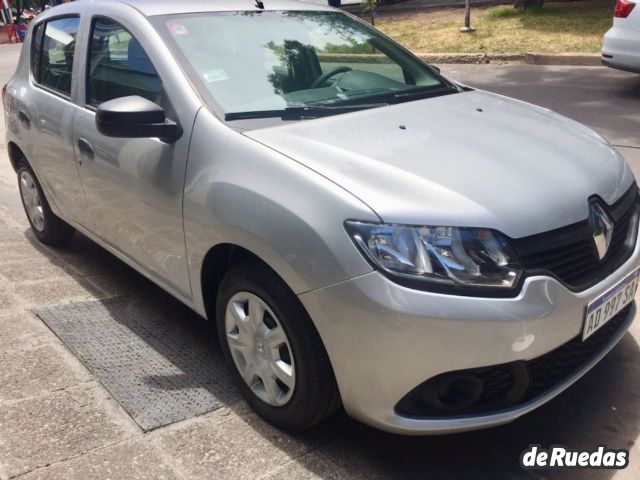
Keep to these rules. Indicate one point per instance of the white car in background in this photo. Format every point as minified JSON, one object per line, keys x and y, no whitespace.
{"x":621,"y":48}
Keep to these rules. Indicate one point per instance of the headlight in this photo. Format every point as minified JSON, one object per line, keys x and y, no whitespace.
{"x":473,"y":257}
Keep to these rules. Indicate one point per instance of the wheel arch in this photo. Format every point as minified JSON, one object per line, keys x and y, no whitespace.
{"x":216,"y":263}
{"x":16,"y":155}
{"x":321,"y":397}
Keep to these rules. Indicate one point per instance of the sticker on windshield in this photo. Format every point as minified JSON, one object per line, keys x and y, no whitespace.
{"x":178,"y":28}
{"x":216,"y":75}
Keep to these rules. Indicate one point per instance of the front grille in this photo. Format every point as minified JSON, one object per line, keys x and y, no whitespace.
{"x":570,"y":254}
{"x":512,"y":383}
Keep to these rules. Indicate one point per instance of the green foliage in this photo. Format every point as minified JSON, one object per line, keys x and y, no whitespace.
{"x":353,"y":48}
{"x":510,"y":12}
{"x":505,"y":12}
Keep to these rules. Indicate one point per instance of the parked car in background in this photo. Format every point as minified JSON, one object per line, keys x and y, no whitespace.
{"x":621,"y":48}
{"x":364,"y":231}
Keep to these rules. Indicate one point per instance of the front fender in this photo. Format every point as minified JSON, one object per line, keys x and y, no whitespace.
{"x":240,"y":192}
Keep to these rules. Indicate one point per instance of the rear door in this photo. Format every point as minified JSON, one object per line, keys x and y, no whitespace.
{"x":134,"y":187}
{"x":46,"y":114}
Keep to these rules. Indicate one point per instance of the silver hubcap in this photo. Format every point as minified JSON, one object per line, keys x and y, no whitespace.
{"x":31,"y":200}
{"x":260,"y":348}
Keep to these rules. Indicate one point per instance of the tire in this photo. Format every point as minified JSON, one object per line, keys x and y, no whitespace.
{"x":46,"y":226}
{"x":314,"y":395}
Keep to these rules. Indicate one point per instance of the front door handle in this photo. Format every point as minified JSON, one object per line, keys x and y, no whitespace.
{"x":86,"y":150}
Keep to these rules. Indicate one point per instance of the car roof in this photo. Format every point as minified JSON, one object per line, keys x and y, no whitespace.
{"x":169,"y":7}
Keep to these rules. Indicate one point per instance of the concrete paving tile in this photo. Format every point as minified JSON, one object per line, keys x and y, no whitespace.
{"x":84,"y":257}
{"x":83,"y":265}
{"x":332,"y":463}
{"x":6,"y":222}
{"x":57,"y":291}
{"x":132,"y":460}
{"x":10,"y":234}
{"x":11,"y":208}
{"x":7,"y":301}
{"x":22,"y":329}
{"x":21,"y":250}
{"x":31,"y":372}
{"x":40,"y":431}
{"x":34,"y":270}
{"x":115,"y":283}
{"x":238,"y":447}
{"x":3,"y":222}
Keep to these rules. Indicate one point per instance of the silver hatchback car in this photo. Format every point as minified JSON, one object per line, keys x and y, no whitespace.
{"x":364,"y":231}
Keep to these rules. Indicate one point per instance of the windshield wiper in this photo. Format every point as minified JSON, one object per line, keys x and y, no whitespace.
{"x":301,"y":112}
{"x":428,"y":92}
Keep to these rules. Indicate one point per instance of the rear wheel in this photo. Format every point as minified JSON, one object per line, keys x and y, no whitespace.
{"x":47,"y":227}
{"x":274,"y":350}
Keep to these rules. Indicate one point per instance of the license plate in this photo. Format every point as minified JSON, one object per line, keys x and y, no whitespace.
{"x":605,"y":307}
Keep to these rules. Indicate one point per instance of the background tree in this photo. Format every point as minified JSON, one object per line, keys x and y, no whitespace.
{"x":370,"y":6}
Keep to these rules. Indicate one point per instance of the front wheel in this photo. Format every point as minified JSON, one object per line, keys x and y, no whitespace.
{"x":274,"y":350}
{"x":47,"y":227}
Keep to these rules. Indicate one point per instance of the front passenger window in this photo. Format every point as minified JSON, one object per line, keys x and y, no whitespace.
{"x":118,"y":66}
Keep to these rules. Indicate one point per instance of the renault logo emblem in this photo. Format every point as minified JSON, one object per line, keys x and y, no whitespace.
{"x":602,"y":229}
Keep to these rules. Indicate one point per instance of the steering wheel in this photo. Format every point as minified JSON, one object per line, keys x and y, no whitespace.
{"x":326,"y":76}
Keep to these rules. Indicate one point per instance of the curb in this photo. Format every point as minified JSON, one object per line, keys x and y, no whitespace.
{"x":574,"y":59}
{"x":569,"y":59}
{"x":471,"y":58}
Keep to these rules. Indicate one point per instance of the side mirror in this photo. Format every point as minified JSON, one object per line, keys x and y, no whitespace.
{"x":135,"y":117}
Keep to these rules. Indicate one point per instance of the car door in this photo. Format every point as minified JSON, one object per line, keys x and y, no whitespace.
{"x":134,"y":187}
{"x":46,"y":113}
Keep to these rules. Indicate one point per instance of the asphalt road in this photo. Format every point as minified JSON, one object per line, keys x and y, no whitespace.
{"x":602,"y":408}
{"x":606,"y":100}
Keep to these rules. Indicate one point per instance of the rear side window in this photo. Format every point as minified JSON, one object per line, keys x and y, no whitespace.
{"x":118,"y":66}
{"x":54,"y":70}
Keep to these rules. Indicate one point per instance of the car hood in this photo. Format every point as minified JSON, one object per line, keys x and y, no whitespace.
{"x":469,"y":159}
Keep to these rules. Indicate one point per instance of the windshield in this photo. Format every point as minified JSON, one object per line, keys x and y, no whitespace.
{"x":260,"y":64}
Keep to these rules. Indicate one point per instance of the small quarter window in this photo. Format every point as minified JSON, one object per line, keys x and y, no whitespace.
{"x":36,"y":50}
{"x":58,"y":50}
{"x":119,"y":67}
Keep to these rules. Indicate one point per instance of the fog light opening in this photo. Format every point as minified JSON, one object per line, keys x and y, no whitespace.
{"x":454,"y":393}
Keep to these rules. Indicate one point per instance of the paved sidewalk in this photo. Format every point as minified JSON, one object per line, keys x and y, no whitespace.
{"x":58,"y":422}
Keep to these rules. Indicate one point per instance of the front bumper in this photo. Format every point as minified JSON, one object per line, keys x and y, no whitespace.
{"x":384,"y":340}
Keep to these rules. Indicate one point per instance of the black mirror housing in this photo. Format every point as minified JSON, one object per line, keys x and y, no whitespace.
{"x":135,"y":117}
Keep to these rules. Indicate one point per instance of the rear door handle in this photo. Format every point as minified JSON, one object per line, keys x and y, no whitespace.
{"x":86,"y":150}
{"x":24,"y":119}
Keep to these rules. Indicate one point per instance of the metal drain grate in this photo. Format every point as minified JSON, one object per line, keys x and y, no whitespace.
{"x":158,"y":360}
